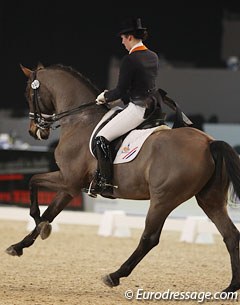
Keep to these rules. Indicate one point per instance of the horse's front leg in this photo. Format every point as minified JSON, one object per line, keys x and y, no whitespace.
{"x":34,"y":207}
{"x":51,"y":181}
{"x":59,"y":203}
{"x":44,"y":227}
{"x":17,"y":249}
{"x":149,"y":239}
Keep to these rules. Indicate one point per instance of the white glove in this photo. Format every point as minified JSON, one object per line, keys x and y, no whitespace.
{"x":100,"y":98}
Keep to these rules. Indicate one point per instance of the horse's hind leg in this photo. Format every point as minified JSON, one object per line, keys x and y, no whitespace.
{"x":214,"y":205}
{"x":155,"y":219}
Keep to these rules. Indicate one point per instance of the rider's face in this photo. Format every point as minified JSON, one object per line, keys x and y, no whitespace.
{"x":126,"y":41}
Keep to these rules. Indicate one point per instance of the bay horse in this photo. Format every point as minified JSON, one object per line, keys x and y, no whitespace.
{"x":173,"y":166}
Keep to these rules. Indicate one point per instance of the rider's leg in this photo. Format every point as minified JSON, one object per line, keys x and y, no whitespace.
{"x":105,"y":163}
{"x":102,"y":181}
{"x":128,"y":119}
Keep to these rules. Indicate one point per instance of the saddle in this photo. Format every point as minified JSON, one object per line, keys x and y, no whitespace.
{"x":155,"y":120}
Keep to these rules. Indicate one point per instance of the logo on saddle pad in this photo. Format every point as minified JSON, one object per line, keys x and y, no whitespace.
{"x":132,"y":143}
{"x":125,"y":152}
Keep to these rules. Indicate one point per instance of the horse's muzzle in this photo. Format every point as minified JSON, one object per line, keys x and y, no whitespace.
{"x":38,"y":133}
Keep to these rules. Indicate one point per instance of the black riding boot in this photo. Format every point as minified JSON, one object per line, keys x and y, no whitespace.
{"x":102,"y":182}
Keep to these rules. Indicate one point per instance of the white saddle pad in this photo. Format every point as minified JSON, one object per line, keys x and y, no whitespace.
{"x":132,"y":143}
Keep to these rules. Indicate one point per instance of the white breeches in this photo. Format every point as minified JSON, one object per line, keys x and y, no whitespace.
{"x":129,"y":118}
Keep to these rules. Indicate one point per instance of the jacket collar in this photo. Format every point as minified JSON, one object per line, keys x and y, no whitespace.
{"x":141,"y":48}
{"x":138,"y":47}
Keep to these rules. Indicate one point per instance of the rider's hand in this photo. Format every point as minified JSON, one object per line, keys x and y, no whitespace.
{"x":100,"y":98}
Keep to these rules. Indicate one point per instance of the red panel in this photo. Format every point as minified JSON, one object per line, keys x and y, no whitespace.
{"x":9,"y":177}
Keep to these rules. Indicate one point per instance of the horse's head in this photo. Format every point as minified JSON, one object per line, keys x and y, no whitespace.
{"x":55,"y":92}
{"x":40,"y":101}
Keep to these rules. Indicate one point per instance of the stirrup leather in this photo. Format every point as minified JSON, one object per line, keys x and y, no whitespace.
{"x":90,"y":190}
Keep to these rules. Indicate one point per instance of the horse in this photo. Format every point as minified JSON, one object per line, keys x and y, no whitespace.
{"x":172,"y":166}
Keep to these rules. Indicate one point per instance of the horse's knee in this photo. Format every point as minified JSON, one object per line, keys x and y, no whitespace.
{"x":150,"y":241}
{"x":33,"y":213}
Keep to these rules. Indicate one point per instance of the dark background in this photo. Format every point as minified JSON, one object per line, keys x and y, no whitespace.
{"x":83,"y":35}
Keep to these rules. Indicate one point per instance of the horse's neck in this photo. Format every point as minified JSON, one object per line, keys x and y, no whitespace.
{"x":69,"y":99}
{"x":84,"y":122}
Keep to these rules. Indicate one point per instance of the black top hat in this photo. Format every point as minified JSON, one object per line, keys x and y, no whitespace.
{"x":131,"y":25}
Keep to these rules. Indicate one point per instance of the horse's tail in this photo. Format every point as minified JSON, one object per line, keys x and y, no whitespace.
{"x":223,"y":151}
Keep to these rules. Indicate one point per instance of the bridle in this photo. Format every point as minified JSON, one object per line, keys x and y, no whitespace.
{"x":46,"y":121}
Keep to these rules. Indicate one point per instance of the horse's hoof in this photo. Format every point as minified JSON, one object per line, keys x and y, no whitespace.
{"x":45,"y":229}
{"x":107,"y":280}
{"x":11,"y":251}
{"x":232,"y":288}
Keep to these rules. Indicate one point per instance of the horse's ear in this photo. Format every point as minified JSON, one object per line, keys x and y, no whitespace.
{"x":40,"y":66}
{"x":26,"y":71}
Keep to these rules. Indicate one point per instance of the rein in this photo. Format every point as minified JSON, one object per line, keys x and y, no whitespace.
{"x":44,"y":121}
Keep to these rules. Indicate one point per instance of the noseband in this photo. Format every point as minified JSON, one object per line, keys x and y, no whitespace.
{"x":45,"y":121}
